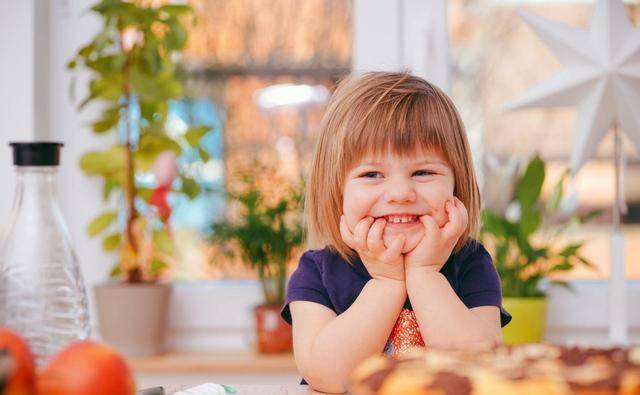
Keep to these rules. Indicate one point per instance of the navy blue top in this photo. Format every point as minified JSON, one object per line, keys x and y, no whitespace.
{"x":324,"y":277}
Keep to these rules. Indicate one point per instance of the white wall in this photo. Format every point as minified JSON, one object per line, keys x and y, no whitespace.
{"x":17,"y":103}
{"x":80,"y":196}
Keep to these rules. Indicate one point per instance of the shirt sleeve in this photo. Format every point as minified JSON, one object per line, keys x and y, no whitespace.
{"x":305,"y":284}
{"x":480,"y":283}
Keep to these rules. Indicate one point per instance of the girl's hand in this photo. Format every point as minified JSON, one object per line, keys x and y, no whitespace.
{"x":437,"y":243}
{"x":366,"y":239}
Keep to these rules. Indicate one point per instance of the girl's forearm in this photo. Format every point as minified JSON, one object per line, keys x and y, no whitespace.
{"x":445,"y":322}
{"x":358,"y":333}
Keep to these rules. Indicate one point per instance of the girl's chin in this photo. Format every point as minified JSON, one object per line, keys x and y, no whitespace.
{"x":412,"y":238}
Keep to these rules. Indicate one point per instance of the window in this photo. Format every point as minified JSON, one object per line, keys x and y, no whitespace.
{"x":264,"y":70}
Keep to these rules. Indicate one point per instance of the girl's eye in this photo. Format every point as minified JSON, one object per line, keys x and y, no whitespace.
{"x":423,"y":173}
{"x":370,"y":174}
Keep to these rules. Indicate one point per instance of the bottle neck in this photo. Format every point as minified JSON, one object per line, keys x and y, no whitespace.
{"x":33,"y":183}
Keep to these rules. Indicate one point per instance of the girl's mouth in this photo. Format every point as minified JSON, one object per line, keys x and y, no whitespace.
{"x":401,"y":221}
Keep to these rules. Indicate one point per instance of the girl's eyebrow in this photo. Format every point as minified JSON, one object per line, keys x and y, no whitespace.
{"x":431,"y":162}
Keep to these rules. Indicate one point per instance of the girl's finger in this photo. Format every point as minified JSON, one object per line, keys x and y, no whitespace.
{"x":454,"y":218}
{"x":395,"y":249}
{"x":431,"y":227}
{"x":374,"y":238}
{"x":346,"y":234}
{"x":361,"y":231}
{"x":458,"y":220}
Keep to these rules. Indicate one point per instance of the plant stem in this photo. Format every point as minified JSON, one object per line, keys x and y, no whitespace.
{"x":134,"y":274}
{"x":264,"y":285}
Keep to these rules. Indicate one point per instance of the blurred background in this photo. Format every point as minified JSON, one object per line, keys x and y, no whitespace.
{"x":258,"y":74}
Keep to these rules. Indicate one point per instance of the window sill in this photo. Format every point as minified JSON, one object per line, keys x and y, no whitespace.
{"x":214,"y":363}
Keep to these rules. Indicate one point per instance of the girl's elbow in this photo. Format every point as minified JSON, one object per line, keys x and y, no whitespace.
{"x":326,"y":383}
{"x":329,"y":388}
{"x":325,"y":379}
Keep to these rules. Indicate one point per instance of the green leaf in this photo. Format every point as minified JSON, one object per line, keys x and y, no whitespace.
{"x":110,"y":161}
{"x":195,"y":134}
{"x":176,"y":37}
{"x":107,"y":87}
{"x":570,"y":250}
{"x":151,"y":145}
{"x":176,"y":9}
{"x":530,"y":185}
{"x":204,"y":155}
{"x":163,"y":242}
{"x":563,"y":284}
{"x":101,"y":222}
{"x":556,"y":195}
{"x":587,"y":263}
{"x":86,"y":50}
{"x":190,"y":187}
{"x":111,"y":242}
{"x":116,"y":271}
{"x":590,"y":215}
{"x":529,"y":222}
{"x":157,"y":266}
{"x":565,"y":266}
{"x":110,"y":183}
{"x":496,"y":224}
{"x":107,"y":65}
{"x":162,"y":86}
{"x":109,"y":119}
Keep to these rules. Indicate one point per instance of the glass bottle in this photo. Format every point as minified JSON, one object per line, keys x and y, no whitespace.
{"x":42,"y":294}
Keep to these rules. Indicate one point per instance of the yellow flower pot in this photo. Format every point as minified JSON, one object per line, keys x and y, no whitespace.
{"x":529,"y":320}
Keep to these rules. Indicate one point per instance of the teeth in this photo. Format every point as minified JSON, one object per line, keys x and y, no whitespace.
{"x":398,"y":219}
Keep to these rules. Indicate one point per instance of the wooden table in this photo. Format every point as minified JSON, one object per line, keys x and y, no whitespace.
{"x":264,"y":390}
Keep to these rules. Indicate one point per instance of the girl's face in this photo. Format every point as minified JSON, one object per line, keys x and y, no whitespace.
{"x":399,"y":189}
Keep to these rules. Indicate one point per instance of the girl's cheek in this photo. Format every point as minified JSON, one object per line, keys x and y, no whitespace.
{"x":356,"y":206}
{"x":350,"y":214}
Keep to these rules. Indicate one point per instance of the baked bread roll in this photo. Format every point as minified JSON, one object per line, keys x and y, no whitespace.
{"x":527,"y":369}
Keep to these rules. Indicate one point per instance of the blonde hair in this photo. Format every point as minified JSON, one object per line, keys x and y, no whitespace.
{"x":370,"y":115}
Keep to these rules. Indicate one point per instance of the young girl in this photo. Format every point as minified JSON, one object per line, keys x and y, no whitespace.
{"x":393,"y":205}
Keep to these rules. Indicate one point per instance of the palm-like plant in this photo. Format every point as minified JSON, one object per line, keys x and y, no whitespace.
{"x":266,"y":232}
{"x":522,"y":262}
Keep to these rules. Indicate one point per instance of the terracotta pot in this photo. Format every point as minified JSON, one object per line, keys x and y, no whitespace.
{"x":133,"y":317}
{"x":273,"y":333}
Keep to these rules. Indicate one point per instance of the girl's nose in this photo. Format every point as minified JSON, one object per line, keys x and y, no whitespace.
{"x":400,"y":191}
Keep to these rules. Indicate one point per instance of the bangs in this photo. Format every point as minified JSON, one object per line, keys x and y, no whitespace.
{"x":374,"y":115}
{"x":401,"y":126}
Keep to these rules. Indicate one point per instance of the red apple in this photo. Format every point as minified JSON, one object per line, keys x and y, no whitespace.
{"x":86,"y":367}
{"x":22,"y":377}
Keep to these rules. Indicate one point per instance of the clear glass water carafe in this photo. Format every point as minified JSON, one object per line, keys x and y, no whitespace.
{"x":42,"y":294}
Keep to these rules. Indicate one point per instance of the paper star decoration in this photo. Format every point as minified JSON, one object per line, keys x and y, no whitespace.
{"x":601,"y":75}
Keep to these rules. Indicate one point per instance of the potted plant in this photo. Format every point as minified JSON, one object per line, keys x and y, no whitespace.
{"x":133,"y":77}
{"x":266,"y":230}
{"x":525,"y":245}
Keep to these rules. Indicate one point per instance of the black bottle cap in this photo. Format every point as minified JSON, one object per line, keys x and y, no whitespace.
{"x":38,"y":153}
